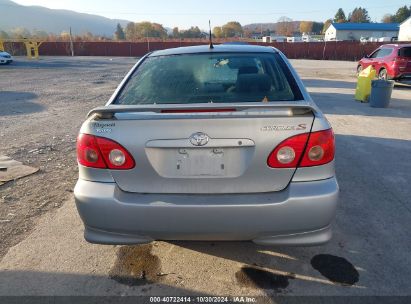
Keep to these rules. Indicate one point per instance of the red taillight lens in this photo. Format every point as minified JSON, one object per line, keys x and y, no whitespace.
{"x":115,"y":155}
{"x":304,"y":150}
{"x":320,"y":149}
{"x":88,"y":152}
{"x":400,"y":61}
{"x":102,"y":153}
{"x":288,"y":153}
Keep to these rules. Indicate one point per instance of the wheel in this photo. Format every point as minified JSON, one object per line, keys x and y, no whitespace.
{"x":359,"y":69}
{"x":383,"y":75}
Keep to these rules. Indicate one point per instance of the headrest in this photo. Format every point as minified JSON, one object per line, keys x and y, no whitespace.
{"x":253,"y":83}
{"x":248,"y":70}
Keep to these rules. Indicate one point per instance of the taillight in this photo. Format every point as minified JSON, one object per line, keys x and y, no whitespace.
{"x":304,"y":150}
{"x":400,"y":61}
{"x":288,"y":153}
{"x":88,"y":152}
{"x":102,"y":153}
{"x":320,"y":149}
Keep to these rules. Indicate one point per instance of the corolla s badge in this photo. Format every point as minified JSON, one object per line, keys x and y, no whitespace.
{"x":199,"y":139}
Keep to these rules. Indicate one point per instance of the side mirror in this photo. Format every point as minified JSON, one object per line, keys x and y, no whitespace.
{"x":366,"y":56}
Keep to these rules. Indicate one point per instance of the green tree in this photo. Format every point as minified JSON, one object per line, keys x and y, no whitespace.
{"x":387,"y":18}
{"x":4,"y":35}
{"x":20,"y":33}
{"x":218,"y":32}
{"x":119,"y":33}
{"x":285,"y":28}
{"x":39,"y":34}
{"x":232,"y":29}
{"x":88,"y":36}
{"x":130,"y":31}
{"x":318,"y":27}
{"x":327,"y":24}
{"x":340,"y":16}
{"x":147,"y":29}
{"x":192,"y":32}
{"x":306,"y":27}
{"x":159,"y":30}
{"x":359,"y":15}
{"x":176,"y":32}
{"x":65,"y":36}
{"x":402,"y":14}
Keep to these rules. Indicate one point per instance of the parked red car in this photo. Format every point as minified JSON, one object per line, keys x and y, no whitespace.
{"x":391,"y":61}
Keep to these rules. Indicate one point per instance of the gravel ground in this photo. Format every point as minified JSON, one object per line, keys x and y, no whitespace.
{"x":42,"y":105}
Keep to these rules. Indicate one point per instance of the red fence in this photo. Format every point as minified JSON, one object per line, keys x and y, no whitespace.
{"x":341,"y":50}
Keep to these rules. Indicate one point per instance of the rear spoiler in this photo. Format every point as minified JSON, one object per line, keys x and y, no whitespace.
{"x":291,"y":109}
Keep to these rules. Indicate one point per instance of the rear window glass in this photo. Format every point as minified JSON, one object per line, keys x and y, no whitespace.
{"x":206,"y":78}
{"x":405,"y":52}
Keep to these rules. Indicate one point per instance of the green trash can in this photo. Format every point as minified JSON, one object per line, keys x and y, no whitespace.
{"x":381,"y":91}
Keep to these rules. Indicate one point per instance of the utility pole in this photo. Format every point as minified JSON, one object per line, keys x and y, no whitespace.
{"x":71,"y":44}
{"x":148,"y":42}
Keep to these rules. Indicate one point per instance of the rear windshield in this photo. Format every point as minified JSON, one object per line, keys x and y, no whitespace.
{"x":206,"y":78}
{"x":405,"y":52}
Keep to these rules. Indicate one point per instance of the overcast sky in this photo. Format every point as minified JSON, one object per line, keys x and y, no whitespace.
{"x":184,"y":13}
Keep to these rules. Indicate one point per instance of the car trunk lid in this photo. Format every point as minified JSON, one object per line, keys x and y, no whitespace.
{"x":201,"y":149}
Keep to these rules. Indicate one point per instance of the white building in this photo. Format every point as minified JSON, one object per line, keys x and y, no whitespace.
{"x":405,"y":30}
{"x":307,"y":38}
{"x":294,"y":39}
{"x":356,"y":31}
{"x":269,"y":39}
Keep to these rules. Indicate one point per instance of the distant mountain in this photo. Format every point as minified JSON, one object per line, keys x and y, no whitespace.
{"x":13,"y":15}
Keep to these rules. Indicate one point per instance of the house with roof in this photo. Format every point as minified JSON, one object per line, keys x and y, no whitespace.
{"x":359,"y":31}
{"x":405,"y":30}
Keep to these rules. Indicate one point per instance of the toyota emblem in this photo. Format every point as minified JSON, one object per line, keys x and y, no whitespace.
{"x":199,"y":139}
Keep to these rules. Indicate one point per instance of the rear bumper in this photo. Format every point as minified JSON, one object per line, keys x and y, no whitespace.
{"x":299,"y":215}
{"x":397,"y":74}
{"x":403,"y":77}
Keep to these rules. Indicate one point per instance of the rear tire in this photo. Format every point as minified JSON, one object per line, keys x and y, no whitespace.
{"x":383,"y":75}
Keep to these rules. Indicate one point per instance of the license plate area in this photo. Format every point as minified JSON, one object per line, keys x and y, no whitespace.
{"x":200,"y":162}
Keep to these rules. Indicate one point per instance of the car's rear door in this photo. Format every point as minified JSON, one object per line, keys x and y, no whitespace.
{"x":404,"y":60}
